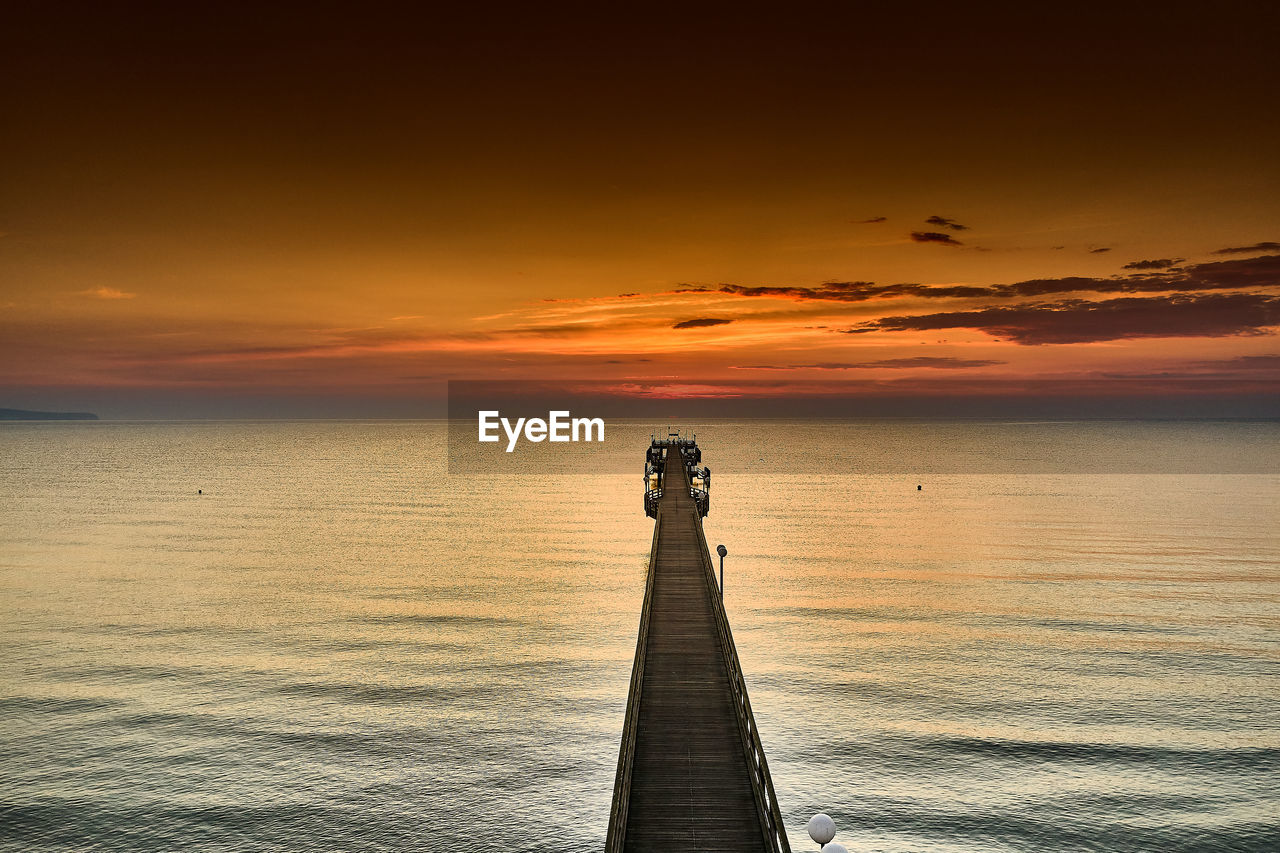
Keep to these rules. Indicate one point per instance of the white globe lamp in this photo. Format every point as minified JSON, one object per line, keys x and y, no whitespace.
{"x":822,"y":829}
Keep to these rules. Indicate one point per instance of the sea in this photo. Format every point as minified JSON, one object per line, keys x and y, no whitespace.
{"x":339,"y":636}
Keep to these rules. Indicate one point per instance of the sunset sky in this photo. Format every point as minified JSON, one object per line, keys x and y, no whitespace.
{"x":330,"y":210}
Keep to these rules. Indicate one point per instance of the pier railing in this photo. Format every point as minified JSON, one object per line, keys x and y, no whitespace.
{"x":652,"y":497}
{"x":761,"y":783}
{"x":630,"y":728}
{"x":701,"y":499}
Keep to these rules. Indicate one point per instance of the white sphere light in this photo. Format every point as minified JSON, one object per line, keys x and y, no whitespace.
{"x":822,"y":829}
{"x":834,"y":847}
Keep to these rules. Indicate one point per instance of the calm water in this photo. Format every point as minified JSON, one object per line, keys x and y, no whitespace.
{"x":340,"y":646}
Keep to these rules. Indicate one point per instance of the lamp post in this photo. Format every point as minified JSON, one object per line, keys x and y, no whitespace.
{"x":822,"y":829}
{"x":723,"y":552}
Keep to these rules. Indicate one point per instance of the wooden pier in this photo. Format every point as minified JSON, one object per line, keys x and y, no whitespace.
{"x":692,"y":773}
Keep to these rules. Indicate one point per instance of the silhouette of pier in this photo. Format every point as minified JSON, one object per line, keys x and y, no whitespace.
{"x":692,"y":773}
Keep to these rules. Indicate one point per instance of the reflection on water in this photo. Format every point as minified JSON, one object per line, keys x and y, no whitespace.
{"x":339,"y":646}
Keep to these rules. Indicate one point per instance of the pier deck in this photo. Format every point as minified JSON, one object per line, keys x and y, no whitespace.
{"x":695,"y":778}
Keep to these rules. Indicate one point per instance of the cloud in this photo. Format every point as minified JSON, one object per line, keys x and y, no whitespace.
{"x":1243,"y":362}
{"x":872,"y":221}
{"x":1100,"y":251}
{"x":1261,"y":272}
{"x":107,"y":293}
{"x":1241,"y":368}
{"x":943,"y":222}
{"x":1158,"y":264}
{"x":831,"y":291}
{"x":1075,"y":321}
{"x":1268,"y":246}
{"x":701,"y":323}
{"x":935,"y":237}
{"x":604,"y":324}
{"x":938,"y":362}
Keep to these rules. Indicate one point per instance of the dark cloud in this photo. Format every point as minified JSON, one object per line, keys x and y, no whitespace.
{"x":943,"y":222}
{"x":1100,"y":251}
{"x":848,"y":291}
{"x":1075,"y":284}
{"x":1260,"y":272}
{"x":1157,"y":264}
{"x":1078,"y":321}
{"x":701,"y":323}
{"x":935,"y":237}
{"x":872,"y":221}
{"x":1246,"y":368}
{"x":1263,"y":271}
{"x":939,"y":362}
{"x":1268,"y":246}
{"x":1243,"y":362}
{"x":834,"y":291}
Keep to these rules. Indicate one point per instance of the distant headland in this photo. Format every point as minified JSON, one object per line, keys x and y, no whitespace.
{"x":27,"y":415}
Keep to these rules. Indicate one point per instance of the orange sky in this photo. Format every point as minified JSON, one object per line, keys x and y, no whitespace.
{"x":210,"y":212}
